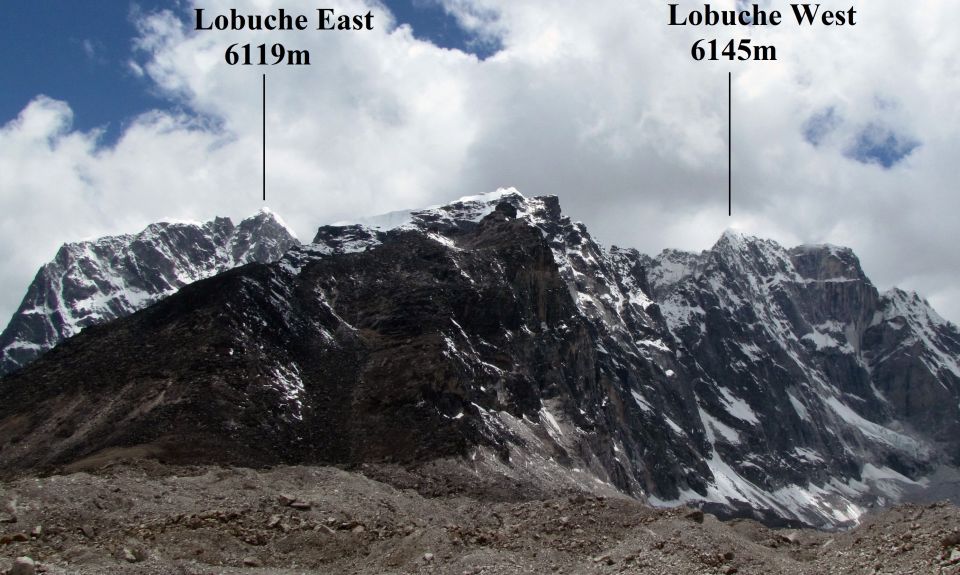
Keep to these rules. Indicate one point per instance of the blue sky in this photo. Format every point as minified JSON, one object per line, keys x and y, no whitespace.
{"x":78,"y":52}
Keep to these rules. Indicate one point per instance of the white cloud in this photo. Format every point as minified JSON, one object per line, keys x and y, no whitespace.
{"x":598,"y":103}
{"x":89,"y":49}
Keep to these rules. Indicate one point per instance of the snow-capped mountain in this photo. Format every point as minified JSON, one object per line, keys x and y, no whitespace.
{"x":750,"y":378}
{"x":93,"y":282}
{"x":788,"y":349}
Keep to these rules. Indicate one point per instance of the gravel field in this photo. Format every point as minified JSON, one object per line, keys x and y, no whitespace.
{"x":146,"y":517}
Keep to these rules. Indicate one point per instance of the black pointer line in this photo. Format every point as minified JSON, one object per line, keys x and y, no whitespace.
{"x":729,"y":143}
{"x":264,"y":137}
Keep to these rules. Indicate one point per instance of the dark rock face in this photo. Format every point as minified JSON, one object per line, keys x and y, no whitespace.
{"x":750,"y":378}
{"x":912,"y":355}
{"x":828,"y":368}
{"x":89,"y":283}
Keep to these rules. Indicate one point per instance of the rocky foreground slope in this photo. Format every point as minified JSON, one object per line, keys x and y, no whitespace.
{"x":750,"y":379}
{"x":152,"y":519}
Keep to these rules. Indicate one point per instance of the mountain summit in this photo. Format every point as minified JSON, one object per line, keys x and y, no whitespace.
{"x":750,"y":379}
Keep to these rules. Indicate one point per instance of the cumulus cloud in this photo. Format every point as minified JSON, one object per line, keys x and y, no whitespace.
{"x":848,"y":138}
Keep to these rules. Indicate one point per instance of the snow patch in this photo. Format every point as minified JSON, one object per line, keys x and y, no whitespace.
{"x":713,"y":426}
{"x":874,"y":430}
{"x":799,"y":407}
{"x":737,"y":407}
{"x":642,"y":402}
{"x":551,"y":420}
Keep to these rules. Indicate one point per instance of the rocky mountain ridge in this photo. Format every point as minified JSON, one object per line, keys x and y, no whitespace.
{"x":93,"y":282}
{"x":751,"y":379}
